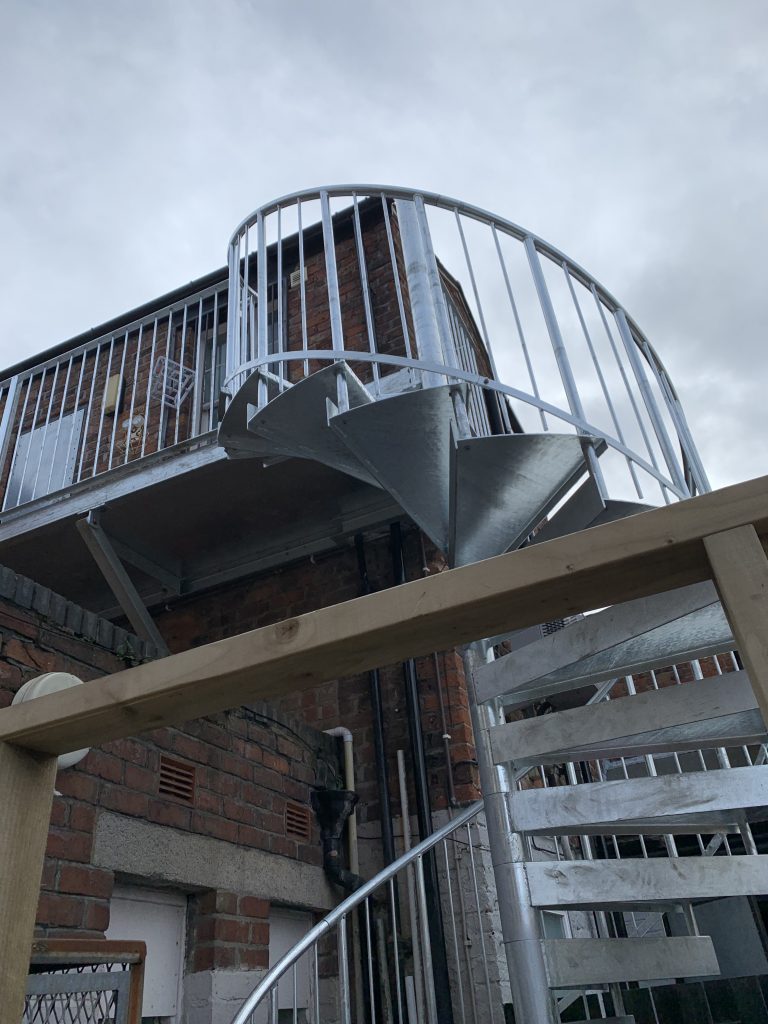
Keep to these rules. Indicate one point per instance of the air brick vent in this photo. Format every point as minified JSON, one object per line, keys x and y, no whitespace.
{"x":297,"y":821}
{"x":177,"y":780}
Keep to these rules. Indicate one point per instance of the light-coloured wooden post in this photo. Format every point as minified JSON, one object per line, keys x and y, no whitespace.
{"x":740,"y":571}
{"x":26,"y":796}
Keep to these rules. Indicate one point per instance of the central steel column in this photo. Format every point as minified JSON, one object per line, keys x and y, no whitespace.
{"x":417,"y":272}
{"x":520,"y":927}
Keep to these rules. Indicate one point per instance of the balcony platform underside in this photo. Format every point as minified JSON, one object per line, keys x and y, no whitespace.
{"x":189,"y":523}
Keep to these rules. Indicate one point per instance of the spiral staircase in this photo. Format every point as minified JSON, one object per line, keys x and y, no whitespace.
{"x":477,"y":494}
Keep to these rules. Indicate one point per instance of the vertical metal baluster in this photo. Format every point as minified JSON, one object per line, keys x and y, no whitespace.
{"x":369,"y":326}
{"x":233,"y":283}
{"x":244,"y":303}
{"x":295,"y":996}
{"x":51,"y":398}
{"x":274,"y":1004}
{"x":316,"y":974}
{"x":196,"y":426}
{"x":519,"y":326}
{"x":262,"y":308}
{"x":302,"y":293}
{"x":473,"y":1003}
{"x":599,"y":371}
{"x":454,"y":932}
{"x":116,"y":411}
{"x":163,"y":419}
{"x":659,"y":427}
{"x":16,"y":441}
{"x":180,"y":385}
{"x":281,"y":367}
{"x":344,"y":998}
{"x":480,"y":920}
{"x":396,"y":276}
{"x":396,"y":950}
{"x":624,"y":377}
{"x":8,"y":436}
{"x":103,"y":405}
{"x":481,"y":315}
{"x":89,"y":408}
{"x":212,"y":418}
{"x":76,"y":406}
{"x":58,"y":425}
{"x":369,"y":956}
{"x":331,"y":275}
{"x":134,"y":389}
{"x":150,"y":374}
{"x":31,"y":432}
{"x":561,"y":358}
{"x":681,"y":424}
{"x":426,"y":944}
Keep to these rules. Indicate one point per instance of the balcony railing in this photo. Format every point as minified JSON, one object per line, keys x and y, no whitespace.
{"x":150,"y":386}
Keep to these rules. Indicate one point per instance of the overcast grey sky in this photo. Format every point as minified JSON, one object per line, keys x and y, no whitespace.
{"x":630,"y":134}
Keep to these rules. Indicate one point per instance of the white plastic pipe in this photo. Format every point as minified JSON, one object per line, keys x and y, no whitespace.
{"x":343,"y":733}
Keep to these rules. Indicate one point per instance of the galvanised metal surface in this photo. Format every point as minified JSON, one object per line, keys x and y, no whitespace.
{"x":480,"y":300}
{"x":400,"y":955}
{"x":503,"y":486}
{"x":151,"y":385}
{"x":78,"y":997}
{"x":650,"y":633}
{"x":295,"y":421}
{"x":404,"y":442}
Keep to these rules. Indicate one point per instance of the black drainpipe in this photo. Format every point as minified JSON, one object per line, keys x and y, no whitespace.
{"x":377,"y":713}
{"x":423,"y":808}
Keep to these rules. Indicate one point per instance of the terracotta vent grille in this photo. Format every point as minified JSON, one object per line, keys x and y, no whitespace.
{"x":297,"y":821}
{"x":176,"y":780}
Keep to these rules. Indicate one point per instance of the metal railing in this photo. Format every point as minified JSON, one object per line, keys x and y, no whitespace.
{"x":374,"y":948}
{"x":723,"y":840}
{"x":150,"y":386}
{"x":85,"y":981}
{"x":415,"y":289}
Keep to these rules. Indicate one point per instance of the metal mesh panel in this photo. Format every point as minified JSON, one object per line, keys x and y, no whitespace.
{"x":94,"y":994}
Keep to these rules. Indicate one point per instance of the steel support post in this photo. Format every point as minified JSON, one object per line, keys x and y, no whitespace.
{"x":520,"y":925}
{"x":425,"y":322}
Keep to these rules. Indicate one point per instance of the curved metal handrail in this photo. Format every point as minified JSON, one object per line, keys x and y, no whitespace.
{"x":477,"y":213}
{"x":350,"y":903}
{"x":650,"y":392}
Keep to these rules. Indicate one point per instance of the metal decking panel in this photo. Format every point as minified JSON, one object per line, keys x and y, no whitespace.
{"x":702,"y":801}
{"x":405,"y":443}
{"x":719,"y":711}
{"x":614,"y":884}
{"x":665,"y":629}
{"x":588,"y":963}
{"x":503,"y":486}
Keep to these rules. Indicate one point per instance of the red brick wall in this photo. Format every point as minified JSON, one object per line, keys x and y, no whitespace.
{"x":319,"y":582}
{"x":247,"y":764}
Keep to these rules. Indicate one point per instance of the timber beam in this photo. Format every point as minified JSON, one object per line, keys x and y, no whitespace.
{"x":645,"y":554}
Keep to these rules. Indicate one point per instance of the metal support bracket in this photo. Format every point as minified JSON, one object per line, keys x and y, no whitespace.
{"x":120,"y":583}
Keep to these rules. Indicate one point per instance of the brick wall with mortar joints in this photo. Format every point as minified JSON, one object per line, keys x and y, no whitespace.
{"x":319,"y":582}
{"x":248,"y":763}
